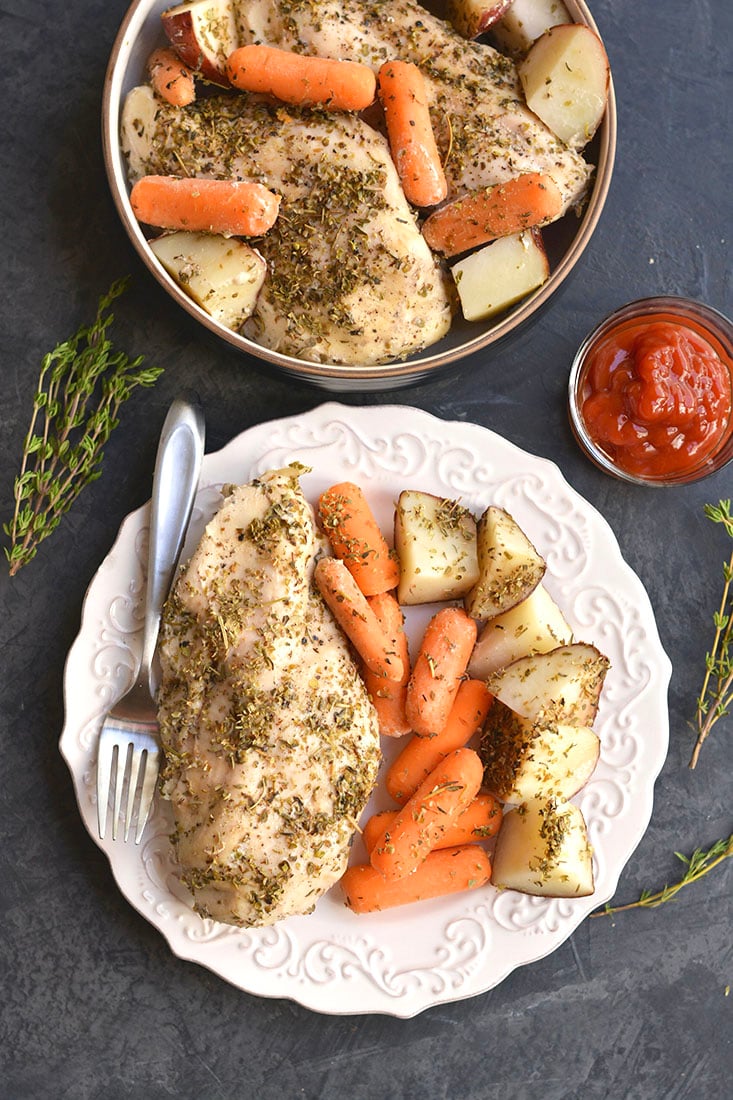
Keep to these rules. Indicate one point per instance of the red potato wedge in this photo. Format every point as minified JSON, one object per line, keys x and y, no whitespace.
{"x":526,"y":759}
{"x":501,"y":274}
{"x":203,"y":33}
{"x":524,"y":22}
{"x":435,"y":540}
{"x":563,"y":685}
{"x":509,"y":565}
{"x":137,"y":123}
{"x":565,"y":77}
{"x":222,"y":274}
{"x":472,"y":17}
{"x":543,"y":849}
{"x":536,"y":625}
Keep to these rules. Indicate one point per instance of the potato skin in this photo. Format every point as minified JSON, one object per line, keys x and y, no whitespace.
{"x":509,"y":566}
{"x":543,"y":849}
{"x":533,"y":759}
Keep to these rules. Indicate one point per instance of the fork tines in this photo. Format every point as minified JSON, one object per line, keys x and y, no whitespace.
{"x":136,"y":775}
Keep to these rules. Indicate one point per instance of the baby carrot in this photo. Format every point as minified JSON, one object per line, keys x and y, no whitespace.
{"x":355,"y":538}
{"x":229,"y":207}
{"x":420,"y":824}
{"x":481,"y":216}
{"x":421,"y":754}
{"x":170,"y":78}
{"x":448,"y":871}
{"x":388,"y":696}
{"x":356,"y":618}
{"x":302,"y":80}
{"x":440,"y":666}
{"x":479,"y":821}
{"x":410,"y":133}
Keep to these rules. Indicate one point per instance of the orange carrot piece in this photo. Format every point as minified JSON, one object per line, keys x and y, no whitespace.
{"x":479,"y":821}
{"x":410,"y":133}
{"x":229,"y":207}
{"x":389,"y":696}
{"x":170,"y":78}
{"x":302,"y":80}
{"x":420,"y":824}
{"x":356,"y":618}
{"x":422,"y":754}
{"x":440,"y":666}
{"x":481,"y":216}
{"x":447,"y":871}
{"x":355,"y":538}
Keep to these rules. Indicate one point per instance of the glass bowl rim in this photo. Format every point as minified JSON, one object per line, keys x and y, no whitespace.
{"x":717,"y":324}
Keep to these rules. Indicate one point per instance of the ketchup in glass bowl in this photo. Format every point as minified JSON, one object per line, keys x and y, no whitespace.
{"x":651,"y":392}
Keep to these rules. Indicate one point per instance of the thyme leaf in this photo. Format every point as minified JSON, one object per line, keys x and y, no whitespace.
{"x":81,"y":385}
{"x":716,"y":694}
{"x":698,"y":864}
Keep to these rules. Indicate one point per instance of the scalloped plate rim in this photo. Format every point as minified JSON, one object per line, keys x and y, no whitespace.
{"x":411,"y":421}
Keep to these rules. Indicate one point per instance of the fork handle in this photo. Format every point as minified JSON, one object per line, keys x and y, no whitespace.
{"x":175,"y":481}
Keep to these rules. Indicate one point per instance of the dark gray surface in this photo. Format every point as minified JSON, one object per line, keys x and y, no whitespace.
{"x":93,"y":1004}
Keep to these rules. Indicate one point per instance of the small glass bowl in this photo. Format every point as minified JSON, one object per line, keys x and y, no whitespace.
{"x":708,"y":323}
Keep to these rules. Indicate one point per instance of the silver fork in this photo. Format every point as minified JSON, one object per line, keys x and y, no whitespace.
{"x":128,"y":741}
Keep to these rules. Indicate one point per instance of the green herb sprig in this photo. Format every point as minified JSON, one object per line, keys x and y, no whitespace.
{"x":716,"y":694}
{"x":698,"y":864}
{"x":81,"y":386}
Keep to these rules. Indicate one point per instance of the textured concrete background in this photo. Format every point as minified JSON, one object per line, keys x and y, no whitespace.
{"x":93,"y":1004}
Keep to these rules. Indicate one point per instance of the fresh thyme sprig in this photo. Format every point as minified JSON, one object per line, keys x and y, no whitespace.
{"x":696,"y":865}
{"x":716,"y":694}
{"x":82,"y":384}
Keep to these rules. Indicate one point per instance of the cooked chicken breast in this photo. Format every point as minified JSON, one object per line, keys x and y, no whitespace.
{"x":350,"y":277}
{"x":485,"y":131}
{"x":271,"y":742}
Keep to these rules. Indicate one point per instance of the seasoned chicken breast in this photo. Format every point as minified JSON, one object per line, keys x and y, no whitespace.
{"x":271,"y":742}
{"x":350,"y":277}
{"x":485,"y":132}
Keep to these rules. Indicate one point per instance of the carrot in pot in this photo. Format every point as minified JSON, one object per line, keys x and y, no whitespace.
{"x":389,"y":696}
{"x":447,"y":871}
{"x":479,"y":821}
{"x":355,"y":537}
{"x":410,"y":133}
{"x":423,"y":753}
{"x":229,"y":207}
{"x":349,"y":607}
{"x":439,"y":668}
{"x":420,"y":824}
{"x":481,"y":216}
{"x":301,"y":80}
{"x":170,"y":78}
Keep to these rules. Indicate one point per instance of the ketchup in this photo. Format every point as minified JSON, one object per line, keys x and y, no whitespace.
{"x":656,"y":396}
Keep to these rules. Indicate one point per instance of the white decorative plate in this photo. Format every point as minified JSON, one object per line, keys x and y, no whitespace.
{"x":401,"y":961}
